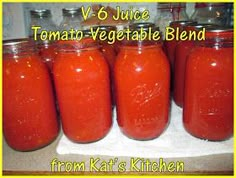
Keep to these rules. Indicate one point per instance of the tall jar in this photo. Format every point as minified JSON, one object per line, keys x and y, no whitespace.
{"x":107,"y":49}
{"x":171,"y":45}
{"x":142,"y":79}
{"x":208,"y":99}
{"x":29,"y":114}
{"x":210,"y":13}
{"x":72,"y":18}
{"x":47,"y":51}
{"x":109,"y":53}
{"x":42,"y":18}
{"x":81,"y":77}
{"x":169,"y":12}
{"x":182,"y":50}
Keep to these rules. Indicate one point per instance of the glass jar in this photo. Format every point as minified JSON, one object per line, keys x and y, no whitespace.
{"x":171,"y":45}
{"x":168,"y":12}
{"x":210,"y":13}
{"x":107,"y":49}
{"x":81,"y":77}
{"x":181,"y":52}
{"x":142,"y":88}
{"x":42,"y":18}
{"x":29,"y":114}
{"x":47,"y":51}
{"x":72,"y":18}
{"x":109,"y":53}
{"x":208,"y":95}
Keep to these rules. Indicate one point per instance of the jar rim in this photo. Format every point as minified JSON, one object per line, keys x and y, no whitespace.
{"x":40,"y":13}
{"x":168,"y":6}
{"x":18,"y":41}
{"x":182,"y":23}
{"x":72,"y":11}
{"x":105,"y":27}
{"x":199,"y":26}
{"x":77,"y":45}
{"x":203,"y":5}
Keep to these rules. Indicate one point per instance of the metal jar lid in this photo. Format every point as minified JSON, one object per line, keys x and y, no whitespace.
{"x":145,"y":26}
{"x":219,"y":29}
{"x":105,"y":28}
{"x":199,"y":26}
{"x":182,"y":23}
{"x":71,"y":11}
{"x":40,"y":13}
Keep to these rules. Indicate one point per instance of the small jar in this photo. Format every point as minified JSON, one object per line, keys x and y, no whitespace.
{"x":29,"y":114}
{"x":81,"y":77}
{"x":182,"y":50}
{"x":169,"y":12}
{"x":142,"y":88}
{"x":42,"y":18}
{"x":208,"y":95}
{"x":210,"y":13}
{"x":72,"y":18}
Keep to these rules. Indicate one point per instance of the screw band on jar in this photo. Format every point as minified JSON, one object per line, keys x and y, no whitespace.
{"x":71,"y":11}
{"x":40,"y":13}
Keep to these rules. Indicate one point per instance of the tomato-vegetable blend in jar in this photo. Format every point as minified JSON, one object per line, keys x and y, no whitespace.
{"x":47,"y":52}
{"x":29,"y":115}
{"x":142,"y":79}
{"x":208,"y":100}
{"x":182,"y":50}
{"x":171,"y":45}
{"x":82,"y":84}
{"x":109,"y":53}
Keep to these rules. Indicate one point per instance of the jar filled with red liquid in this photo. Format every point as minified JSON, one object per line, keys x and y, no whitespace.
{"x":208,"y":99}
{"x":29,"y":114}
{"x":47,"y":51}
{"x":182,"y":50}
{"x":108,"y":49}
{"x":171,"y":45}
{"x":109,"y":52}
{"x":81,"y":77}
{"x":142,"y":78}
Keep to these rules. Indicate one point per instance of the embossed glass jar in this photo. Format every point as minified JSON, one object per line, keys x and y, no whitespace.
{"x":82,"y":83}
{"x":142,"y":79}
{"x":29,"y":114}
{"x":208,"y":99}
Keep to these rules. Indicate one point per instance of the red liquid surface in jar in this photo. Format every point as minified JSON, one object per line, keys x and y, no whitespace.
{"x":142,"y":91}
{"x":208,"y":102}
{"x":182,"y":51}
{"x":83,"y":92}
{"x":48,"y":54}
{"x":29,"y":115}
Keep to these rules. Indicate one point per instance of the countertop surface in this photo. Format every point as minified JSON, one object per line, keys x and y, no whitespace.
{"x":40,"y":162}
